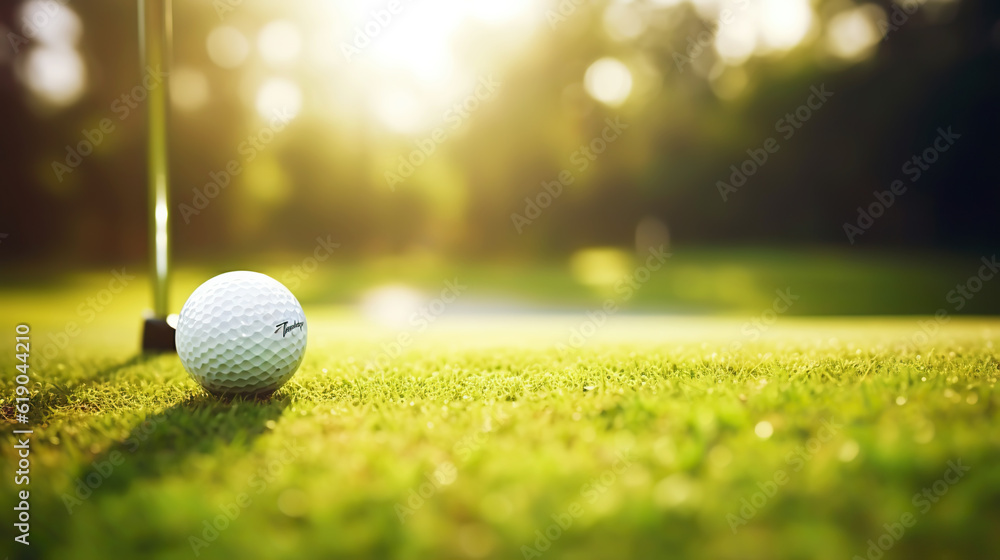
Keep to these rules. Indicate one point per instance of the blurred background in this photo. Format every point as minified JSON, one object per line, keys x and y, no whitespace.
{"x":418,"y":135}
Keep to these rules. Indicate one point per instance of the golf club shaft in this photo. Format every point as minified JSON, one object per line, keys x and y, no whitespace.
{"x":155,"y":32}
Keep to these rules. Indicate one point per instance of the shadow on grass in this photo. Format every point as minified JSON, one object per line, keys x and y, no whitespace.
{"x":56,"y":393}
{"x":164,"y":442}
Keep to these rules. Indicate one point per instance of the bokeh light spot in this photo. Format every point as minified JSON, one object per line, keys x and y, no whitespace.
{"x":848,"y":451}
{"x":852,"y":34}
{"x":293,"y":502}
{"x":227,"y":47}
{"x":55,"y":74}
{"x":50,"y":23}
{"x":608,"y":81}
{"x":622,"y":22}
{"x":737,"y":41}
{"x":673,"y":490}
{"x":599,"y":266}
{"x":763,"y":429}
{"x":785,"y":22}
{"x":279,"y":95}
{"x":279,"y":42}
{"x":188,"y":89}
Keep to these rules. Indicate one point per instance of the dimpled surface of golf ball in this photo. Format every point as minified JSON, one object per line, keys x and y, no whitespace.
{"x":241,"y":333}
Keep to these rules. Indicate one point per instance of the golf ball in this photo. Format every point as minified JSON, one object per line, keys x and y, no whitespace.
{"x":241,"y":333}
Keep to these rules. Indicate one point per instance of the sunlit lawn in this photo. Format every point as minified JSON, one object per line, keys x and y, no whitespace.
{"x":514,"y":435}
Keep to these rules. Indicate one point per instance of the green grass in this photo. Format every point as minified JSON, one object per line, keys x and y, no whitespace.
{"x":526,"y":425}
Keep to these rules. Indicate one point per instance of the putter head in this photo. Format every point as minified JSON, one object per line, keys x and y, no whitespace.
{"x":157,"y":336}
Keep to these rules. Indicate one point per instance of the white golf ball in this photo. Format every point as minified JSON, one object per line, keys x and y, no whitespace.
{"x":241,"y":333}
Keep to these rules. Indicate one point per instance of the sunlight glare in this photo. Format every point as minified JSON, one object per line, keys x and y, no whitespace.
{"x":497,"y":13}
{"x":391,"y":305}
{"x":419,"y":40}
{"x":408,"y":62}
{"x":785,"y":23}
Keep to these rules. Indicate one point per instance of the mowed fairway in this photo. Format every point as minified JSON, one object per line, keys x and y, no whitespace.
{"x":501,"y":438}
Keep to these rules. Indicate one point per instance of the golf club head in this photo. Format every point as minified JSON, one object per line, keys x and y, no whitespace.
{"x":157,"y":336}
